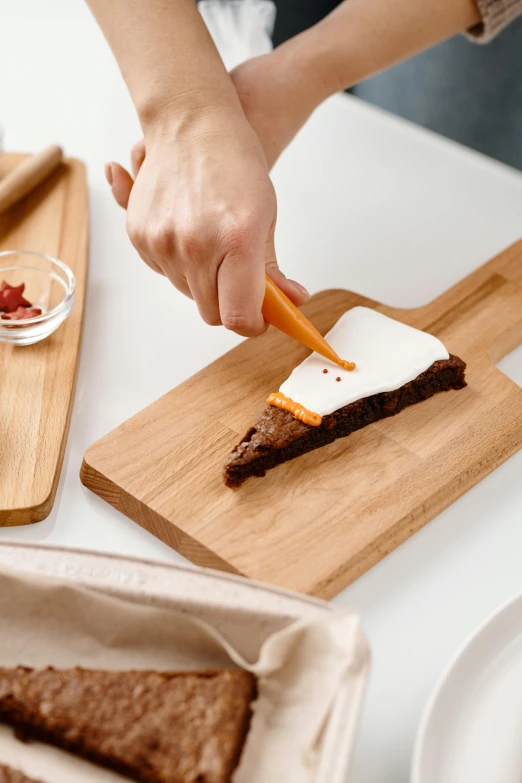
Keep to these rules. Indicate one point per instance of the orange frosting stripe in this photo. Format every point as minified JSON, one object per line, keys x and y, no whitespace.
{"x":279,"y":400}
{"x":282,"y":313}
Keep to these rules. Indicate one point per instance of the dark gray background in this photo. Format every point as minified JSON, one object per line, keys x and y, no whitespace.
{"x":468,"y":92}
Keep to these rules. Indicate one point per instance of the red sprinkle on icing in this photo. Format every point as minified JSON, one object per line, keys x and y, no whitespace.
{"x":325,"y":370}
{"x":337,"y":379}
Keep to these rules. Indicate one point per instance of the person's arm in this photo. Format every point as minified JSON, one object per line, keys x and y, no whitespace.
{"x":166,"y":56}
{"x":362,"y":37}
{"x":202,"y":210}
{"x":358,"y":39}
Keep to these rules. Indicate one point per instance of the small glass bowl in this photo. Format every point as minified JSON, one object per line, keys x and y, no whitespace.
{"x":49,"y":285}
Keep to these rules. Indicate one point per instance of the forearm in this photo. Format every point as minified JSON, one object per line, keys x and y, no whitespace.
{"x":166,"y":57}
{"x":362,"y":37}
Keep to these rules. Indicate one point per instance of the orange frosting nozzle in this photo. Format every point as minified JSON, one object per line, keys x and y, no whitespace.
{"x":282,"y":313}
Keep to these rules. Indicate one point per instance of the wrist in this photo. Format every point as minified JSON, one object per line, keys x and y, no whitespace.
{"x":160,"y":115}
{"x":198,"y":127}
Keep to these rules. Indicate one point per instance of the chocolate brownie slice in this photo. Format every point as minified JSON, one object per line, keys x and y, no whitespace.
{"x":154,"y":727}
{"x":278,"y":436}
{"x":8,"y":775}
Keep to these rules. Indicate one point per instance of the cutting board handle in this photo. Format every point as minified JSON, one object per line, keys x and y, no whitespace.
{"x":483,"y":312}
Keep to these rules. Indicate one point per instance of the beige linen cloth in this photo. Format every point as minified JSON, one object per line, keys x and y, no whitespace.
{"x":300,"y":669}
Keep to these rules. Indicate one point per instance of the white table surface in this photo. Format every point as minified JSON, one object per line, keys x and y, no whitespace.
{"x":367,"y":202}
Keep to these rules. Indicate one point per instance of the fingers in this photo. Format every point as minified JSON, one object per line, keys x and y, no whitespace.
{"x":241,"y":285}
{"x":179,"y":281}
{"x":121,"y":183}
{"x":153,"y":247}
{"x":137,"y":157}
{"x":152,"y":265}
{"x":294,"y":291}
{"x":203,"y":287}
{"x":119,"y":178}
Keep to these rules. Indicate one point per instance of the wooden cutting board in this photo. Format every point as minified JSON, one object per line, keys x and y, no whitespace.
{"x":37,"y":381}
{"x":317,"y":523}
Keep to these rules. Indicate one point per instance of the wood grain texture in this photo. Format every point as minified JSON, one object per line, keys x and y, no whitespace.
{"x":316,"y":523}
{"x":38,"y":381}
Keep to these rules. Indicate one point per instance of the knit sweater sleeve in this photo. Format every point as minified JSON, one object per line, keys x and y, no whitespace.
{"x":496,"y":14}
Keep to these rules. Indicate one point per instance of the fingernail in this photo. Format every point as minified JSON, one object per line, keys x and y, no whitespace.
{"x":108,"y":173}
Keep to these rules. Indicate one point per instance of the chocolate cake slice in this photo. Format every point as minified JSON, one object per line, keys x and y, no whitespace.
{"x":8,"y":775}
{"x":153,"y":727}
{"x":396,"y":366}
{"x":278,"y":436}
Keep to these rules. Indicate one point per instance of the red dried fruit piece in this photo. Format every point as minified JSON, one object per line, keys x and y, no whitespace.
{"x":20,"y":288}
{"x":11,"y":297}
{"x":11,"y":300}
{"x":3,"y":303}
{"x":21,"y":312}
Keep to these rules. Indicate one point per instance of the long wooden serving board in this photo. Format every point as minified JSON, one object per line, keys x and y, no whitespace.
{"x":37,"y":381}
{"x":316,"y":523}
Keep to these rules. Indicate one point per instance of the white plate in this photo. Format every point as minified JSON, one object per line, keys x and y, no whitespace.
{"x":471,"y":729}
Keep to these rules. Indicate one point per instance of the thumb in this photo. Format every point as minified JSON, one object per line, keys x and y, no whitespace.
{"x":121,"y":183}
{"x":294,"y":291}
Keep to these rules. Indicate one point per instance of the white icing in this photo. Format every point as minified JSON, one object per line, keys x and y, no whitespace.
{"x":387,"y":353}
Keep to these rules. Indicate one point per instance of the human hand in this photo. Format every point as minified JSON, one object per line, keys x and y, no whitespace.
{"x":202,"y":211}
{"x":275,"y":106}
